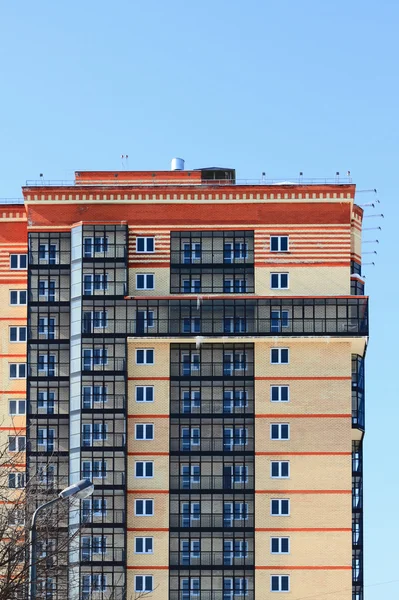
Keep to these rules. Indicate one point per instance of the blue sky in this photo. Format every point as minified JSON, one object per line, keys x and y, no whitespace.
{"x":279,"y":87}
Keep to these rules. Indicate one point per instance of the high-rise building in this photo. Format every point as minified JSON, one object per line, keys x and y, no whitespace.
{"x":196,"y":348}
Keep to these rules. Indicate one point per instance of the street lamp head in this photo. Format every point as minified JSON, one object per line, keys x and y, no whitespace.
{"x":81,"y":489}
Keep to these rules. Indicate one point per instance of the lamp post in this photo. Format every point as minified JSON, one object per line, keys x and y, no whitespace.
{"x":81,"y":489}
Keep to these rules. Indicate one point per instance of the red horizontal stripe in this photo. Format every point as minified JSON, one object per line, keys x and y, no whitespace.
{"x":148,"y":453}
{"x":148,"y":529}
{"x":310,"y":529}
{"x":145,"y":416}
{"x":146,"y":568}
{"x":304,"y":378}
{"x":304,"y":416}
{"x":308,"y":568}
{"x":303,"y":453}
{"x":148,"y":378}
{"x":148,"y":491}
{"x":303,"y":491}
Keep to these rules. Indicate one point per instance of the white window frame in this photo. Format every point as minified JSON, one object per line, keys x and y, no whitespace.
{"x":279,"y":356}
{"x":19,"y":303}
{"x":145,"y":438}
{"x":279,"y":438}
{"x":280,"y":501}
{"x":279,"y":278}
{"x":145,"y":351}
{"x":279,"y":238}
{"x":280,"y":539}
{"x":143,"y":589}
{"x":144,"y":514}
{"x":144,"y":539}
{"x":20,"y":446}
{"x":279,"y":388}
{"x":20,"y":367}
{"x":19,"y":479}
{"x":193,"y":289}
{"x":280,"y":584}
{"x":144,"y":463}
{"x":144,"y":388}
{"x":17,"y":406}
{"x":145,"y":286}
{"x":280,"y":463}
{"x":145,"y":238}
{"x":18,"y":328}
{"x":19,"y":268}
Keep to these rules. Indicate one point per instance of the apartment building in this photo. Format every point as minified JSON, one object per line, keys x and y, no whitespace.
{"x":196,"y":347}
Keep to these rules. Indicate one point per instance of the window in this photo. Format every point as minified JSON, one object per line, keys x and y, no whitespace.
{"x":192,"y":325}
{"x":235,"y":325}
{"x":17,"y":370}
{"x":45,"y":401}
{"x":280,"y":468}
{"x":190,"y":549}
{"x":279,"y":281}
{"x":191,"y":252}
{"x":190,"y":438}
{"x":145,"y":356}
{"x":279,"y":321}
{"x":279,"y":393}
{"x":191,"y":364}
{"x":240,"y":474}
{"x":234,"y":549}
{"x":280,"y":583}
{"x":144,"y":320}
{"x":94,"y":507}
{"x":48,"y":254}
{"x":47,"y":290}
{"x":191,"y":475}
{"x":236,"y":251}
{"x":145,"y":244}
{"x":191,"y":286}
{"x":97,"y":582}
{"x":97,"y":468}
{"x":17,"y":334}
{"x":92,"y":245}
{"x":190,"y":588}
{"x":279,"y":356}
{"x":46,"y":364}
{"x":279,"y":431}
{"x":45,"y":438}
{"x":144,"y":281}
{"x":237,"y":511}
{"x":233,"y":399}
{"x":234,"y":362}
{"x":18,"y":261}
{"x":95,"y":282}
{"x":144,"y":508}
{"x":279,"y":508}
{"x":234,"y":586}
{"x":234,"y":436}
{"x":95,"y":319}
{"x":93,"y":357}
{"x":47,"y":327}
{"x":144,"y":431}
{"x":144,"y":469}
{"x":94,"y":394}
{"x":17,"y":407}
{"x":238,"y":286}
{"x":191,"y":514}
{"x":94,"y":432}
{"x":143,"y":583}
{"x":16,"y":516}
{"x":18,"y":297}
{"x":93,"y":545}
{"x":16,"y":480}
{"x":280,"y":545}
{"x":16,"y":443}
{"x":191,"y":400}
{"x":279,"y":243}
{"x":144,"y":545}
{"x":144,"y":393}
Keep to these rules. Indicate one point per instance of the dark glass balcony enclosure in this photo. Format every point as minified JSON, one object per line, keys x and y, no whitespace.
{"x":358,"y":392}
{"x":250,"y":317}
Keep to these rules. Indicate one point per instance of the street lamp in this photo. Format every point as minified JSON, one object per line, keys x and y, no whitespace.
{"x":81,"y":489}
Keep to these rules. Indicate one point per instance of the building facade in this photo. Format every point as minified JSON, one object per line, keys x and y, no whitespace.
{"x":196,"y":347}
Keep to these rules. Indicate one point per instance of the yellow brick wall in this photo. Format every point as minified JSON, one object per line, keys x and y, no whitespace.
{"x":161,"y":583}
{"x":161,"y":281}
{"x":308,"y":584}
{"x":305,"y":281}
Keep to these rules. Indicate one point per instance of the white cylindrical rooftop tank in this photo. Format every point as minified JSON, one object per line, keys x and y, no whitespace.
{"x":177,"y":164}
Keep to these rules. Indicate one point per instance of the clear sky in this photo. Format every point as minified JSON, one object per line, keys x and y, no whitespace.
{"x":280,"y":87}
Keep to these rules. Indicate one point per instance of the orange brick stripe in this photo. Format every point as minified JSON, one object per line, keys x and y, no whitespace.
{"x":300,"y":264}
{"x":303,"y":453}
{"x":145,"y":416}
{"x":13,"y":429}
{"x":148,"y":568}
{"x":309,"y":529}
{"x":12,"y":355}
{"x":147,"y":529}
{"x":303,"y":491}
{"x":304,"y":416}
{"x":307,"y":568}
{"x":148,"y":453}
{"x":150,"y":265}
{"x":148,"y":491}
{"x":303,"y":378}
{"x":148,"y":378}
{"x":13,"y":392}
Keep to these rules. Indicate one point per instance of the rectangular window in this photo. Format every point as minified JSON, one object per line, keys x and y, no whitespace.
{"x":91,"y":246}
{"x":144,"y":431}
{"x":145,"y":244}
{"x":191,"y":364}
{"x":279,"y":356}
{"x":280,"y":583}
{"x":191,"y":475}
{"x":190,"y":513}
{"x":279,"y":281}
{"x":234,"y":436}
{"x":47,"y":327}
{"x":279,"y":545}
{"x":144,"y":321}
{"x":143,"y":583}
{"x":279,"y":320}
{"x":18,"y":261}
{"x":17,"y":370}
{"x":191,"y":400}
{"x":279,"y":243}
{"x":18,"y":297}
{"x":145,"y":356}
{"x":236,"y":361}
{"x":280,"y":507}
{"x":17,"y":334}
{"x":48,"y":254}
{"x":235,"y":325}
{"x":144,"y":545}
{"x":279,"y":469}
{"x":46,"y":364}
{"x":240,"y":474}
{"x":45,"y":401}
{"x":145,"y":281}
{"x":191,"y":286}
{"x":279,"y":393}
{"x":16,"y":480}
{"x":144,"y":508}
{"x":279,"y":431}
{"x":191,"y":252}
{"x":144,"y":469}
{"x":17,"y":407}
{"x":144,"y":393}
{"x":190,"y":438}
{"x":94,"y":507}
{"x":47,"y":289}
{"x":191,"y":325}
{"x":233,"y":399}
{"x":16,"y":443}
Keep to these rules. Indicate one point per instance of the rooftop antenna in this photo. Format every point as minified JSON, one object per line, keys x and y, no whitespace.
{"x":366,"y":191}
{"x":380,"y":215}
{"x":372,"y":252}
{"x":127,"y":161}
{"x":263,"y":176}
{"x":366,"y":264}
{"x":337,"y":176}
{"x":371,"y":228}
{"x":300,"y":176}
{"x":371,"y":242}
